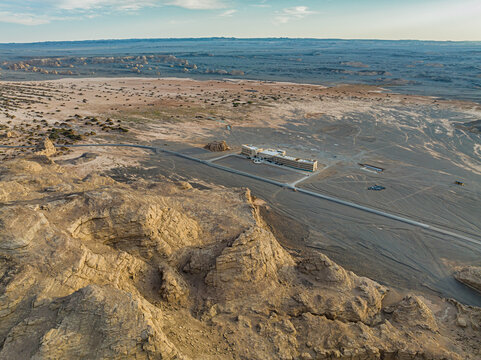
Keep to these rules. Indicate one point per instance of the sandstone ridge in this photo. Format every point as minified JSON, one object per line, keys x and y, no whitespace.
{"x":93,"y":268}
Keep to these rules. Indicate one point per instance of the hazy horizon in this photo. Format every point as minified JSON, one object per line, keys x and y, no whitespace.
{"x":233,"y":38}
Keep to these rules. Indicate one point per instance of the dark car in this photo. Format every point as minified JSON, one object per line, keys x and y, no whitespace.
{"x":376,"y":187}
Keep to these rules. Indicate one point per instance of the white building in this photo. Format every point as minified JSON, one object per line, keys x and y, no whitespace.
{"x":303,"y":164}
{"x":279,"y":157}
{"x":268,"y":154}
{"x":250,"y":150}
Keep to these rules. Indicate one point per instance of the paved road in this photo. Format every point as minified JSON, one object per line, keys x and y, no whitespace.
{"x":286,"y":186}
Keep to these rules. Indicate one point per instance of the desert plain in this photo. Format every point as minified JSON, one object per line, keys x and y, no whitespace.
{"x":225,"y":237}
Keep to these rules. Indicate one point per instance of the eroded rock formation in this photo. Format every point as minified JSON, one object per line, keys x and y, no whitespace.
{"x":469,"y":275}
{"x":217,"y":146}
{"x":45,"y":147}
{"x":92,"y":268}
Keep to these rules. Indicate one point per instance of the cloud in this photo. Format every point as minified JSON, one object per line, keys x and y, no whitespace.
{"x":198,"y":4}
{"x":22,"y":19}
{"x":262,"y":4}
{"x":38,"y":12}
{"x":293,"y":13}
{"x":228,"y":13}
{"x":100,"y":4}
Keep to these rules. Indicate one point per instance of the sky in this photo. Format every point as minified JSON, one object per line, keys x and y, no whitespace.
{"x":57,"y":20}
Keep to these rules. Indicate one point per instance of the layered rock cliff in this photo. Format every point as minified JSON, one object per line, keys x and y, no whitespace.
{"x":470,"y":276}
{"x":92,"y":268}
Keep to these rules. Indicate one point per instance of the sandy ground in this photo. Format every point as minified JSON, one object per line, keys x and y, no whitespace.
{"x":187,"y":110}
{"x":414,"y":138}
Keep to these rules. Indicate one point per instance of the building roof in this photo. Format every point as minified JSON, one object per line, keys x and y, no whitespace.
{"x":279,"y":154}
{"x":252,"y":147}
{"x":272,"y":152}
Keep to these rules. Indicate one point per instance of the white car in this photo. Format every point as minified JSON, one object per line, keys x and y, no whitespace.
{"x":257,"y":161}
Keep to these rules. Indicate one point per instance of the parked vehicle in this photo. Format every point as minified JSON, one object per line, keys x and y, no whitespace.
{"x":376,"y":187}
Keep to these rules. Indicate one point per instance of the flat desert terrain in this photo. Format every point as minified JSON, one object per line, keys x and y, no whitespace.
{"x":423,"y":144}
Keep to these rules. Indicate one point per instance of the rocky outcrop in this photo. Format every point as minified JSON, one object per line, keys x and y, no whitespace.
{"x":99,"y":322}
{"x":45,"y":147}
{"x":337,"y":293}
{"x":174,"y":289}
{"x":470,"y":276}
{"x":472,"y":126}
{"x":124,"y":220}
{"x":92,"y":268}
{"x":412,"y":312}
{"x":254,"y":262}
{"x":217,"y":146}
{"x":20,"y":225}
{"x":8,"y":134}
